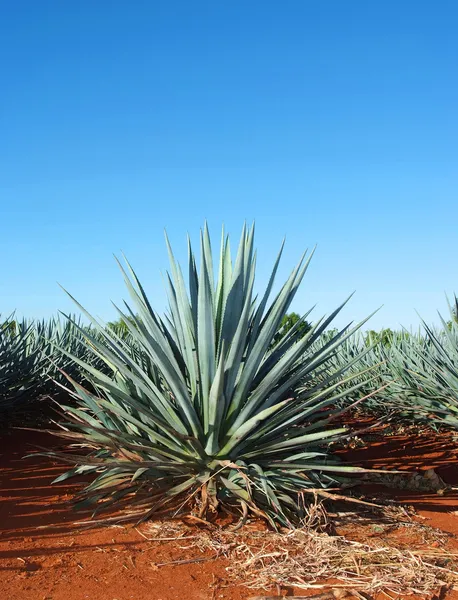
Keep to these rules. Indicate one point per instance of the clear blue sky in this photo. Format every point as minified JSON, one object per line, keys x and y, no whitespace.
{"x":333,"y":122}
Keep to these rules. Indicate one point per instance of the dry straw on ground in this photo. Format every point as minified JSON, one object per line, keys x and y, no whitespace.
{"x":309,"y":559}
{"x":306,"y":558}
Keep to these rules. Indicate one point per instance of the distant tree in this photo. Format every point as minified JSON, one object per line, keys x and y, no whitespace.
{"x":453,"y":314}
{"x":384,"y":337}
{"x":287,"y":323}
{"x":120,"y":327}
{"x":9,"y":326}
{"x":455,"y":310}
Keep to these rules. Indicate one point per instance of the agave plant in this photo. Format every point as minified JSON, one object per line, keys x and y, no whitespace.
{"x":53,"y":336}
{"x":426,"y":372}
{"x":19,"y":363}
{"x":363,"y":359}
{"x":31,"y":360}
{"x":204,"y":410}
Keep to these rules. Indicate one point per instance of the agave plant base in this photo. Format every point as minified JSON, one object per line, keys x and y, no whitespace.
{"x":130,"y":490}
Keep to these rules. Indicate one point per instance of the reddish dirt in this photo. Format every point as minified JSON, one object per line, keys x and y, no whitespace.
{"x":415,"y":451}
{"x":64,"y":562}
{"x":44,"y":556}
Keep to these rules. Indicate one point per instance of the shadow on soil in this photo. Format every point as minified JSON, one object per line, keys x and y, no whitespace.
{"x":412,"y":452}
{"x":37,"y":518}
{"x":28,"y":501}
{"x":32,"y":509}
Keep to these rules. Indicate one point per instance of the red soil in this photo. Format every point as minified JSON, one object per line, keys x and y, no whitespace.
{"x":43,"y":556}
{"x":416,"y":451}
{"x":64,"y":562}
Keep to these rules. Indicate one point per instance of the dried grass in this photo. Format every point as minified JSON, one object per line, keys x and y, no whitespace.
{"x":308,"y":559}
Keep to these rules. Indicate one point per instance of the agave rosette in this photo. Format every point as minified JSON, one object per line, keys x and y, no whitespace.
{"x":204,"y":409}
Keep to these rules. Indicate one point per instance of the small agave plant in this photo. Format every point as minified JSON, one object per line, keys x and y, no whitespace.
{"x":205,"y":411}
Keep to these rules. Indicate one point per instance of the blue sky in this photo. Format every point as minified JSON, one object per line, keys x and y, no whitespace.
{"x":333,"y":123}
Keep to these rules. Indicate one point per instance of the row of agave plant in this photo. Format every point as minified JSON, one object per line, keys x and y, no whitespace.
{"x":32,"y":361}
{"x":412,"y":375}
{"x":208,"y":406}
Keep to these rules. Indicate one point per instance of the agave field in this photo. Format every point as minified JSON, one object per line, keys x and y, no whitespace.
{"x":216,"y":407}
